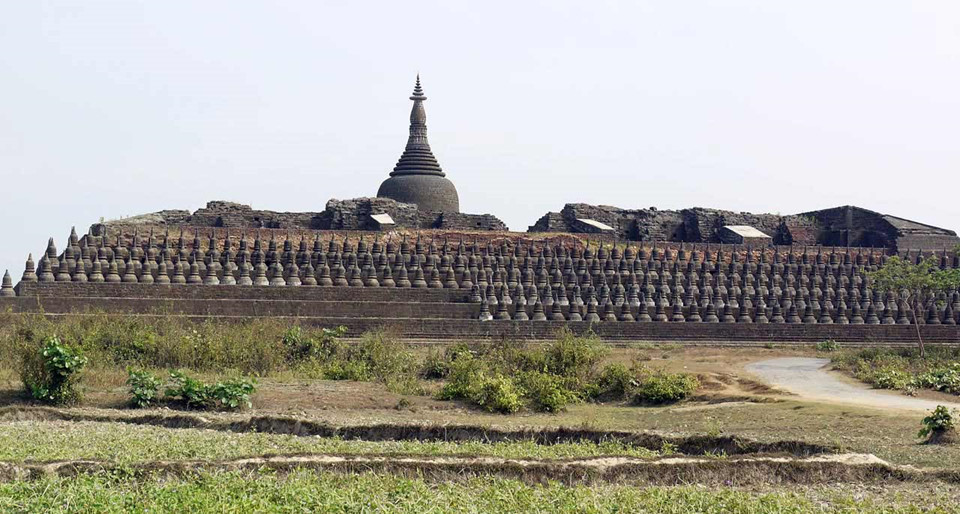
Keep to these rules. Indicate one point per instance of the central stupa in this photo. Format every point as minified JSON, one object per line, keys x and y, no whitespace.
{"x":417,"y":178}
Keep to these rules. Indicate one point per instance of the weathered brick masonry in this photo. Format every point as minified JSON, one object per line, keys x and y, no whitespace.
{"x":422,"y":314}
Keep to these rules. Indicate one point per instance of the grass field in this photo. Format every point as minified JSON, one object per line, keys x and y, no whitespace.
{"x":323,"y":492}
{"x":430,"y":455}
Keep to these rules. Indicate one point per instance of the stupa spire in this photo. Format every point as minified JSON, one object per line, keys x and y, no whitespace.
{"x":417,"y":178}
{"x":417,"y":157}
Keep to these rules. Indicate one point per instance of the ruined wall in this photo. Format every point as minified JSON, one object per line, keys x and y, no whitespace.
{"x":695,"y":225}
{"x":854,"y":226}
{"x":461,"y":221}
{"x":354,"y":214}
{"x":350,"y":214}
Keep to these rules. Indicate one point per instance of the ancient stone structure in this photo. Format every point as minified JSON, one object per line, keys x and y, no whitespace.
{"x":417,"y":178}
{"x":841,"y":226}
{"x":856,"y":226}
{"x":777,"y":278}
{"x":512,"y":281}
{"x":352,"y":214}
{"x":696,"y":225}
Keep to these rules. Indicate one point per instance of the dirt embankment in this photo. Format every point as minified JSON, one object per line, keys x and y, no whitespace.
{"x":730,"y":471}
{"x":687,"y":445}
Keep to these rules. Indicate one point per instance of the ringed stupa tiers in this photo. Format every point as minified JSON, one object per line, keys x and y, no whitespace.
{"x":417,"y":178}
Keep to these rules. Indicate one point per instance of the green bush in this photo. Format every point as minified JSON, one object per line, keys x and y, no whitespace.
{"x":938,"y":422}
{"x":903,"y":368}
{"x":890,"y":378}
{"x":573,"y":357}
{"x":464,"y":373}
{"x":662,"y":387}
{"x":435,"y":366}
{"x":51,"y":373}
{"x":616,"y":382}
{"x":144,"y":387}
{"x":233,"y":393}
{"x":946,"y":379}
{"x":377,"y":357}
{"x":341,"y":369}
{"x":193,"y":393}
{"x":546,"y":391}
{"x":228,"y":395}
{"x":497,"y":394}
{"x":470,"y":380}
{"x":301,"y":346}
{"x":827,"y":346}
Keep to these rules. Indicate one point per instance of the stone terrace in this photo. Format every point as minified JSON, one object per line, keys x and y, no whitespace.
{"x":498,"y":288}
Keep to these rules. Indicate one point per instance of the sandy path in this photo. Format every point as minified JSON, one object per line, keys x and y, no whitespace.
{"x":807,"y":378}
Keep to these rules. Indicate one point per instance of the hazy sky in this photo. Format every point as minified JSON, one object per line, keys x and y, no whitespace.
{"x":116,"y":108}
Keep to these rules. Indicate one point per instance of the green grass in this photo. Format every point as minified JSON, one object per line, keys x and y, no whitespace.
{"x":123,"y":444}
{"x":903,"y":369}
{"x":306,"y":491}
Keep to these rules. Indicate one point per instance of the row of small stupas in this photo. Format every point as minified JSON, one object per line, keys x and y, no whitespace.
{"x":523,"y":280}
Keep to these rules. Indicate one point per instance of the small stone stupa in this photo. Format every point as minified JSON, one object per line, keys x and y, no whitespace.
{"x":417,"y":177}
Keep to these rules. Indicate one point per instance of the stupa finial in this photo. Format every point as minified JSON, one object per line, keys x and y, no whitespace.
{"x":418,"y":91}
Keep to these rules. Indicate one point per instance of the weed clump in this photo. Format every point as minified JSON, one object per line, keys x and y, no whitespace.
{"x":544,"y":378}
{"x":827,"y":346}
{"x":144,"y":387}
{"x":643,"y":385}
{"x":662,"y":387}
{"x":938,"y":427}
{"x":231,"y":394}
{"x":51,"y":373}
{"x":615,"y":382}
{"x":472,"y":380}
{"x":904,"y":369}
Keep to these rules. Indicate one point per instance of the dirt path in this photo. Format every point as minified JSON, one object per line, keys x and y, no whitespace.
{"x":807,"y":378}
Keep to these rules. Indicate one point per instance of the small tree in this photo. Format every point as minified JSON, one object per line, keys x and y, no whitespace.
{"x":916,"y":283}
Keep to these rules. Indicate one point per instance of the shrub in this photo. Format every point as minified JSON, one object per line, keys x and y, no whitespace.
{"x":192,"y":392}
{"x":615,"y":382}
{"x":144,"y":387}
{"x":384,"y":356}
{"x":52,"y":373}
{"x":827,"y":346}
{"x":230,"y":394}
{"x":233,"y":393}
{"x":946,"y":379}
{"x":340,"y":369}
{"x":435,"y":366}
{"x":300,"y":346}
{"x":890,"y":378}
{"x":470,"y":380}
{"x":547,"y":392}
{"x":938,"y":422}
{"x":572,"y":356}
{"x":497,"y":394}
{"x":662,"y":387}
{"x":465,"y":372}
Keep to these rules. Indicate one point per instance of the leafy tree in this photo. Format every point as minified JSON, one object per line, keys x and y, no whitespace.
{"x":916,"y":284}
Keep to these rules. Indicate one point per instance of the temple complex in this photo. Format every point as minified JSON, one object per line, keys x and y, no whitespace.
{"x":409,"y":260}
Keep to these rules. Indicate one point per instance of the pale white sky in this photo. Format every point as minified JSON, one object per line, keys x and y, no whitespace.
{"x":115,"y":108}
